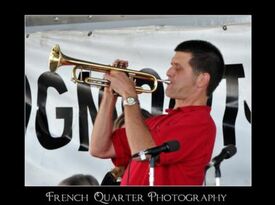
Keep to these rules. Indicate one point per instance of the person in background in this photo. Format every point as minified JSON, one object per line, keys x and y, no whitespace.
{"x":79,"y":179}
{"x":196,"y":70}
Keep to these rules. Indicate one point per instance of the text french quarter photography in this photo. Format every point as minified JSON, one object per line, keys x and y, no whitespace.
{"x":152,"y":196}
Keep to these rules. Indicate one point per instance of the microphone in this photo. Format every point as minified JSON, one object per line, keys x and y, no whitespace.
{"x":170,"y":146}
{"x":226,"y":153}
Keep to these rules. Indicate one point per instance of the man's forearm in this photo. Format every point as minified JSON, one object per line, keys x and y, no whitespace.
{"x":101,"y":143}
{"x":139,"y":137}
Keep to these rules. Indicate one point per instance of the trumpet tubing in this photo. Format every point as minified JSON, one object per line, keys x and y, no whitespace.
{"x":58,"y":59}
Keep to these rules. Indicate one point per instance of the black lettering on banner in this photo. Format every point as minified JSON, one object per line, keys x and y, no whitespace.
{"x":172,"y":103}
{"x":209,"y":100}
{"x":232,"y":73}
{"x":46,"y":80}
{"x":247,"y":112}
{"x":28,"y":101}
{"x":157,"y":96}
{"x":85,"y":102}
{"x":100,"y":95}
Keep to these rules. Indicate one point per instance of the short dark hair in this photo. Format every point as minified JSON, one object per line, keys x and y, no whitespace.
{"x":205,"y":58}
{"x":79,"y":179}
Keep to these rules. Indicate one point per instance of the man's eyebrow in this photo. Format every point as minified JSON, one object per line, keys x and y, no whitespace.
{"x":176,"y":64}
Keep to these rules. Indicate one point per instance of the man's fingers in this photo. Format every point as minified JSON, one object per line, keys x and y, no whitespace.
{"x":120,"y":63}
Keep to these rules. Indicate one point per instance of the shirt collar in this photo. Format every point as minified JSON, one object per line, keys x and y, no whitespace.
{"x":188,"y":109}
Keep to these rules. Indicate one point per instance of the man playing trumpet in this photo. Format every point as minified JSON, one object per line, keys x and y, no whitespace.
{"x":196,"y":70}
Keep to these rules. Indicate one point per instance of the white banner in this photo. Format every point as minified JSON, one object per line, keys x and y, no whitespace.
{"x":59,"y":120}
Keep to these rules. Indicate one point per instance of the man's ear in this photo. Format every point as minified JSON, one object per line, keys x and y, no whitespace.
{"x":203,"y":79}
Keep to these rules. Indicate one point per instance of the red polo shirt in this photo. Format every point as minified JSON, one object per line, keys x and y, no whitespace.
{"x":195,"y":130}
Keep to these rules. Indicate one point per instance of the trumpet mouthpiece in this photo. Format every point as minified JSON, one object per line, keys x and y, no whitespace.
{"x":167,"y":82}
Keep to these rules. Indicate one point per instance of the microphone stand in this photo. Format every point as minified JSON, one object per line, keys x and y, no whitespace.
{"x":217,"y":174}
{"x":205,"y":172}
{"x":152,"y":170}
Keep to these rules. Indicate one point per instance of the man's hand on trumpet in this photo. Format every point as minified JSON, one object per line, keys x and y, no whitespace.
{"x":120,"y":63}
{"x":120,"y":82}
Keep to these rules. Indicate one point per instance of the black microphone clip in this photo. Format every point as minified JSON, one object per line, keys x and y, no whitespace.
{"x":170,"y":146}
{"x":226,"y":153}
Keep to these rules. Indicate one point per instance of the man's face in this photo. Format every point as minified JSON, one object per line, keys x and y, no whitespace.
{"x":181,"y":75}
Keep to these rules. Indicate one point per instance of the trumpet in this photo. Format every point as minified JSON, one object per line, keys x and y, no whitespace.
{"x":57,"y":59}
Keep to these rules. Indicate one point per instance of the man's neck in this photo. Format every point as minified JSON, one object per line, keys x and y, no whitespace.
{"x":190,"y":102}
